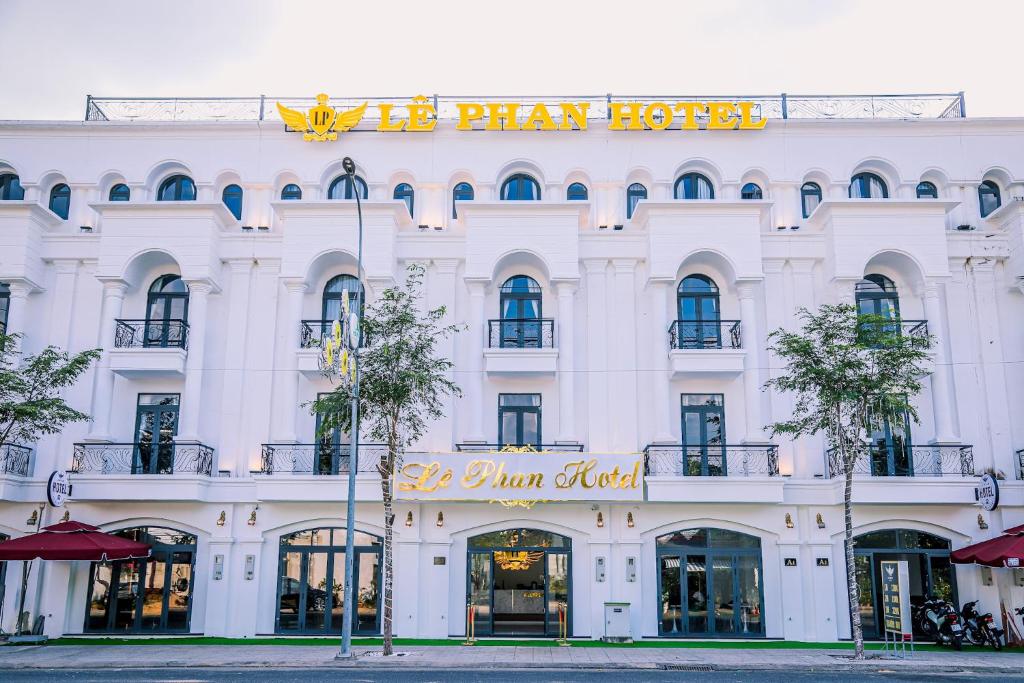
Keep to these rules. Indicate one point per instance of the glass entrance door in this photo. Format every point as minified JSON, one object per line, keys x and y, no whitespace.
{"x":703,"y":434}
{"x":156,"y":424}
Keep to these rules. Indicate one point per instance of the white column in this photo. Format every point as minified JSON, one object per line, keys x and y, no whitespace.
{"x":17,"y":308}
{"x":942,"y":381}
{"x":64,"y":290}
{"x":442,"y":293}
{"x":232,"y":437}
{"x":624,"y":365}
{"x":807,"y":454}
{"x":990,"y":360}
{"x":477,"y":325}
{"x":287,"y":408}
{"x":597,"y":358}
{"x":103,"y":385}
{"x":566,"y":367}
{"x":751,"y":381}
{"x":191,"y":400}
{"x":662,"y":398}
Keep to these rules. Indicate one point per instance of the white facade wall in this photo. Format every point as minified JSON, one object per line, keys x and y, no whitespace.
{"x":610,"y":383}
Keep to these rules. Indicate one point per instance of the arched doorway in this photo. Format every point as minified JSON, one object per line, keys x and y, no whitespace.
{"x":311,"y":581}
{"x":516,"y":580}
{"x":927,"y":557}
{"x":710,"y":583}
{"x":152,"y":595}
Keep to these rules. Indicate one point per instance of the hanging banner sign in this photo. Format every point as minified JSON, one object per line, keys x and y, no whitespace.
{"x":520,"y":476}
{"x":58,"y":488}
{"x":896,"y":598}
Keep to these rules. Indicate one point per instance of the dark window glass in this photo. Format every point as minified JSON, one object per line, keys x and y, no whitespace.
{"x":10,"y":187}
{"x":335,"y":290}
{"x":519,"y":538}
{"x":876,"y":295}
{"x":463,"y":192}
{"x":810,"y":197}
{"x":120,"y":193}
{"x":868,"y":186}
{"x":576,"y":192}
{"x":520,"y":187}
{"x":751,"y":191}
{"x":519,"y":420}
{"x":634,"y":193}
{"x":926,"y":190}
{"x":694,"y":186}
{"x":177,"y":188}
{"x":342,"y":188}
{"x":5,"y":305}
{"x":232,"y":197}
{"x":989,"y":198}
{"x":291,"y":191}
{"x":166,"y":312}
{"x":60,"y":200}
{"x":405,"y":192}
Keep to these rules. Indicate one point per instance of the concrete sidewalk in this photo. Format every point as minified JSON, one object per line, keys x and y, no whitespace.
{"x":502,"y":657}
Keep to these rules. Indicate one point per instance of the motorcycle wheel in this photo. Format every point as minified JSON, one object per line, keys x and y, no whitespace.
{"x":974,"y":638}
{"x":997,"y":645}
{"x":958,"y":644}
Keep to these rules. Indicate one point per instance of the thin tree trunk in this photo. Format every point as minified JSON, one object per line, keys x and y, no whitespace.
{"x":851,"y":567}
{"x":389,"y":569}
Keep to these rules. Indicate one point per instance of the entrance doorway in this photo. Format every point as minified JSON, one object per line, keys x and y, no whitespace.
{"x":927,"y":557}
{"x":710,"y":584}
{"x":518,"y":581}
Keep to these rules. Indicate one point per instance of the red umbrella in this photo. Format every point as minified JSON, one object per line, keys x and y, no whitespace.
{"x":72,"y":541}
{"x":1015,"y":530}
{"x":1005,"y":551}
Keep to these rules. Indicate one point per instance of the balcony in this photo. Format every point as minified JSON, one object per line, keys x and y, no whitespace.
{"x":539,"y":448}
{"x":14,"y":459}
{"x":705,"y":347}
{"x":742,"y":460}
{"x":189,"y":457}
{"x":521,"y":346}
{"x":149,"y":348}
{"x":916,"y":330}
{"x":908,"y":461}
{"x":1020,"y":464}
{"x":318,"y":459}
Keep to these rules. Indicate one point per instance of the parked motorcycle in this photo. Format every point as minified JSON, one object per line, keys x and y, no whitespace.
{"x":938,"y":620}
{"x":980,"y":629}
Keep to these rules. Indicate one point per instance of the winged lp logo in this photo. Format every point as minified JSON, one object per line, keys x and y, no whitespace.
{"x":323,"y":122}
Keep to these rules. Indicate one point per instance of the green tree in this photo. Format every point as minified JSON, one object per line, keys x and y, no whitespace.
{"x":403,"y":384}
{"x":849,"y":374}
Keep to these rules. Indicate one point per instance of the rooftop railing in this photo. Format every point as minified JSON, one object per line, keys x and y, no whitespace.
{"x":781,"y":106}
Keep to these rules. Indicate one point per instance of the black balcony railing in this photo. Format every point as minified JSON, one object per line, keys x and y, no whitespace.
{"x":161,"y":334}
{"x":521,"y":333}
{"x":496,"y":447}
{"x":313,"y":332}
{"x":705,"y":334}
{"x":186,"y":457}
{"x":14,"y":459}
{"x":741,"y":460}
{"x":320,"y":459}
{"x":916,"y":330}
{"x":909,"y":461}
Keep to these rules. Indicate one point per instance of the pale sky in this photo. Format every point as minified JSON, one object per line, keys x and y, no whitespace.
{"x":56,"y":51}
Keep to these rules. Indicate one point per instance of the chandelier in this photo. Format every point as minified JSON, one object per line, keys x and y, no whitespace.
{"x":517,"y":560}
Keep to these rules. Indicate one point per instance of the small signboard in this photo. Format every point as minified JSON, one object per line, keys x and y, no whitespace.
{"x":896,"y":598}
{"x":821,"y":561}
{"x":988,"y":492}
{"x":790,"y":561}
{"x":58,"y":488}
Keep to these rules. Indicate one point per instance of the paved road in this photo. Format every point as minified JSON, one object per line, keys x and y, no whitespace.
{"x":195,"y":675}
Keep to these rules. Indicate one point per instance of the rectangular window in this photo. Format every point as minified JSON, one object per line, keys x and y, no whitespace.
{"x":5,"y":305}
{"x":703,"y":435}
{"x":156,"y":425}
{"x":519,"y":420}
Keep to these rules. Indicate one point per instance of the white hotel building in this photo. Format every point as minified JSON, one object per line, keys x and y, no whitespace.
{"x":617,"y":289}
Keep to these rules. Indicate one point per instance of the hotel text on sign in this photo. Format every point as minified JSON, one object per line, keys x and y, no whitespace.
{"x":520,"y":476}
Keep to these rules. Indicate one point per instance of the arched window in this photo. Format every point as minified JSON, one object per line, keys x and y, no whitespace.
{"x":177,"y":188}
{"x":120,"y":193}
{"x":876,"y":295}
{"x":60,"y":200}
{"x":694,"y":186}
{"x":405,"y":192}
{"x":338,"y":287}
{"x":167,"y":312}
{"x":989,"y":197}
{"x":232,"y":197}
{"x":927,"y":190}
{"x":810,"y":197}
{"x":634,"y":193}
{"x":698,"y":325}
{"x":521,"y":325}
{"x":342,"y":188}
{"x":291,"y":192}
{"x":520,"y":186}
{"x":868,"y":186}
{"x":577,"y":192}
{"x":463,"y":192}
{"x":10,"y":187}
{"x":5,"y":305}
{"x":751,"y":191}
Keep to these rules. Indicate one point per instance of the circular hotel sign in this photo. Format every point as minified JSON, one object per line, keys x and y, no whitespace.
{"x":988,"y":492}
{"x":58,"y":488}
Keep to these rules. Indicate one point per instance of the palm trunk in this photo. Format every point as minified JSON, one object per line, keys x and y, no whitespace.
{"x":389,"y":569}
{"x":851,"y":567}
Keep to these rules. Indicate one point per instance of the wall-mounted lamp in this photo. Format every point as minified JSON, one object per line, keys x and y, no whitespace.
{"x":408,"y":518}
{"x":600,"y":520}
{"x":252,"y":516}
{"x":222,"y":519}
{"x":440,"y":519}
{"x":617,"y":227}
{"x":629,"y":520}
{"x":789,"y":521}
{"x":31,"y":521}
{"x":67,"y":516}
{"x":982,"y":524}
{"x":821,"y":522}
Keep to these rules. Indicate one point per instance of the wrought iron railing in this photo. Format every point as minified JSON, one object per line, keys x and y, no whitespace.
{"x":320,"y":459}
{"x":495,"y":447}
{"x":741,"y":460}
{"x":313,"y":332}
{"x":521,"y":333}
{"x":185,"y":457}
{"x":14,"y":459}
{"x":780,"y":106}
{"x":1020,"y":464}
{"x":161,"y":334}
{"x":705,"y":334}
{"x":908,"y":461}
{"x":916,"y":330}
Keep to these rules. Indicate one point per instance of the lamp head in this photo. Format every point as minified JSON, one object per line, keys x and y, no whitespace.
{"x":348,"y":165}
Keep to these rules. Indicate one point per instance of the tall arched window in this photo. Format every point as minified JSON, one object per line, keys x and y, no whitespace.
{"x":751,"y":191}
{"x":167,"y":312}
{"x":405,"y":192}
{"x":521,"y":324}
{"x":634,"y":193}
{"x":177,"y":188}
{"x":342,"y":188}
{"x":291,"y":192}
{"x":463,"y":192}
{"x":698,"y":325}
{"x":120,"y":193}
{"x":335,"y":290}
{"x":810,"y":197}
{"x":232,"y":197}
{"x":876,"y":295}
{"x":694,"y":186}
{"x":989,"y":197}
{"x":60,"y":200}
{"x":10,"y":187}
{"x":577,"y":192}
{"x":927,"y":190}
{"x":868,"y":186}
{"x":520,"y":186}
